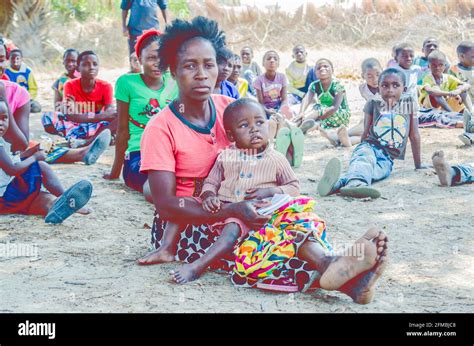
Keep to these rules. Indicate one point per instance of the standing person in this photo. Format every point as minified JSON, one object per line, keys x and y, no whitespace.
{"x":143,"y":16}
{"x":140,"y":96}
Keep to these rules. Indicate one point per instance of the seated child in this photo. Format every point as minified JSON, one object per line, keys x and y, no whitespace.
{"x":87,"y":107}
{"x":250,"y":69}
{"x":21,"y":183}
{"x":297,"y":72}
{"x":21,"y":74}
{"x":241,"y":84}
{"x":225,"y":59}
{"x":70,"y":64}
{"x":464,"y":71}
{"x":404,"y":54}
{"x":248,"y":170}
{"x":369,"y":89}
{"x":330,"y":109}
{"x":452,"y":175}
{"x":135,"y":66}
{"x":389,"y":122}
{"x":3,"y":60}
{"x":444,"y":93}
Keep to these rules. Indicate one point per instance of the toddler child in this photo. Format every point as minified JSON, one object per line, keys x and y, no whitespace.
{"x":21,"y":182}
{"x":248,"y":170}
{"x":388,"y":124}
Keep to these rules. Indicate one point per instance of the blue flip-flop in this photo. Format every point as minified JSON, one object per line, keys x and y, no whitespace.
{"x":69,"y":202}
{"x":98,"y":146}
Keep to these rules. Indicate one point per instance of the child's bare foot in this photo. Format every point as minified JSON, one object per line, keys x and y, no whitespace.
{"x":326,"y":135}
{"x":363,"y":256}
{"x":442,"y":168}
{"x":84,"y":211}
{"x":362,"y":288}
{"x":186,"y":273}
{"x":343,"y":136}
{"x":161,"y":255}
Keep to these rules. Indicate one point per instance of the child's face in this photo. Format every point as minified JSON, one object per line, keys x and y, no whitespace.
{"x":371,"y":76}
{"x":299,"y":54}
{"x":70,"y":62}
{"x":150,"y":61}
{"x":391,"y":88}
{"x":405,"y":58}
{"x":324,"y":70}
{"x":3,"y":118}
{"x":15,"y":60}
{"x":246,"y":55}
{"x":467,"y":59}
{"x":430,"y":46}
{"x":249,"y":128}
{"x":196,"y":70}
{"x":437,"y":67}
{"x":225,"y":69}
{"x":236,"y":70}
{"x":271,"y":62}
{"x":89,"y":67}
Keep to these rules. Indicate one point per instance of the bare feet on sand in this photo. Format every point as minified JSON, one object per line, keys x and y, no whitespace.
{"x":363,"y":255}
{"x":161,"y":255}
{"x":328,"y":136}
{"x":343,"y":136}
{"x":362,"y":288}
{"x":442,"y":168}
{"x":186,"y":273}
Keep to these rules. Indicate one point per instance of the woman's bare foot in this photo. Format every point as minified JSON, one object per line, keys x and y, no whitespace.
{"x":362,"y":256}
{"x":362,"y":288}
{"x":161,"y":255}
{"x":442,"y":168}
{"x":186,"y":273}
{"x":343,"y":136}
{"x":328,"y":136}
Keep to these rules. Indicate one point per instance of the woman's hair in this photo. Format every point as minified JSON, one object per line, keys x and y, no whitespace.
{"x":229,"y":112}
{"x":268,"y":52}
{"x":394,"y":71}
{"x":370,"y":63}
{"x":145,"y":40}
{"x":69,"y":51}
{"x":85,"y":53}
{"x":437,"y":55}
{"x":181,"y":31}
{"x":326,"y":60}
{"x":464,"y":47}
{"x":223,"y":55}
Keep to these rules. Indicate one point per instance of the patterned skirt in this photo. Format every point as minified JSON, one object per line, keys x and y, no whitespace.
{"x":297,"y":221}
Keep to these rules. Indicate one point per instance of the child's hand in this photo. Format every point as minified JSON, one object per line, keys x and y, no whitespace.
{"x":40,"y":156}
{"x":261,"y":193}
{"x":211,"y":204}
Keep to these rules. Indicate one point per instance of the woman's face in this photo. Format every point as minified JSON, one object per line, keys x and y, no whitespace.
{"x":89,"y":67}
{"x":150,"y":61}
{"x":196,"y":69}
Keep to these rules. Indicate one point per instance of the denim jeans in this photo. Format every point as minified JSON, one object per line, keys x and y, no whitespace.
{"x":368,"y":164}
{"x":464,"y":174}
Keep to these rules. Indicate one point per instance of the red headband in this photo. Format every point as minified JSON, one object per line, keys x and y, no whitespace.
{"x":143,"y":37}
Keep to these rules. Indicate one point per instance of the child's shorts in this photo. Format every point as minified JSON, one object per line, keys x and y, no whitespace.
{"x":131,"y":172}
{"x":22,"y":191}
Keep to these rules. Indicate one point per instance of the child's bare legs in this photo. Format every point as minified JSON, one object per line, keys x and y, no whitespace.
{"x":168,"y":247}
{"x":41,"y":204}
{"x":443,"y":169}
{"x":74,"y":155}
{"x":331,"y":136}
{"x":52,"y":184}
{"x":352,"y":275}
{"x":223,"y":245}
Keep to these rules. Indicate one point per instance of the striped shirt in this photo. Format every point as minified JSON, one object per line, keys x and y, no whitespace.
{"x":236,"y":171}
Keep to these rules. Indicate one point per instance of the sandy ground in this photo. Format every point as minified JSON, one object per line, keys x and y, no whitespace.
{"x":88,"y":264}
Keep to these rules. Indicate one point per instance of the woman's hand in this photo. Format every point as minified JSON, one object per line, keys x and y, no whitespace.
{"x":211,"y":204}
{"x":261,"y":193}
{"x":247,"y":211}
